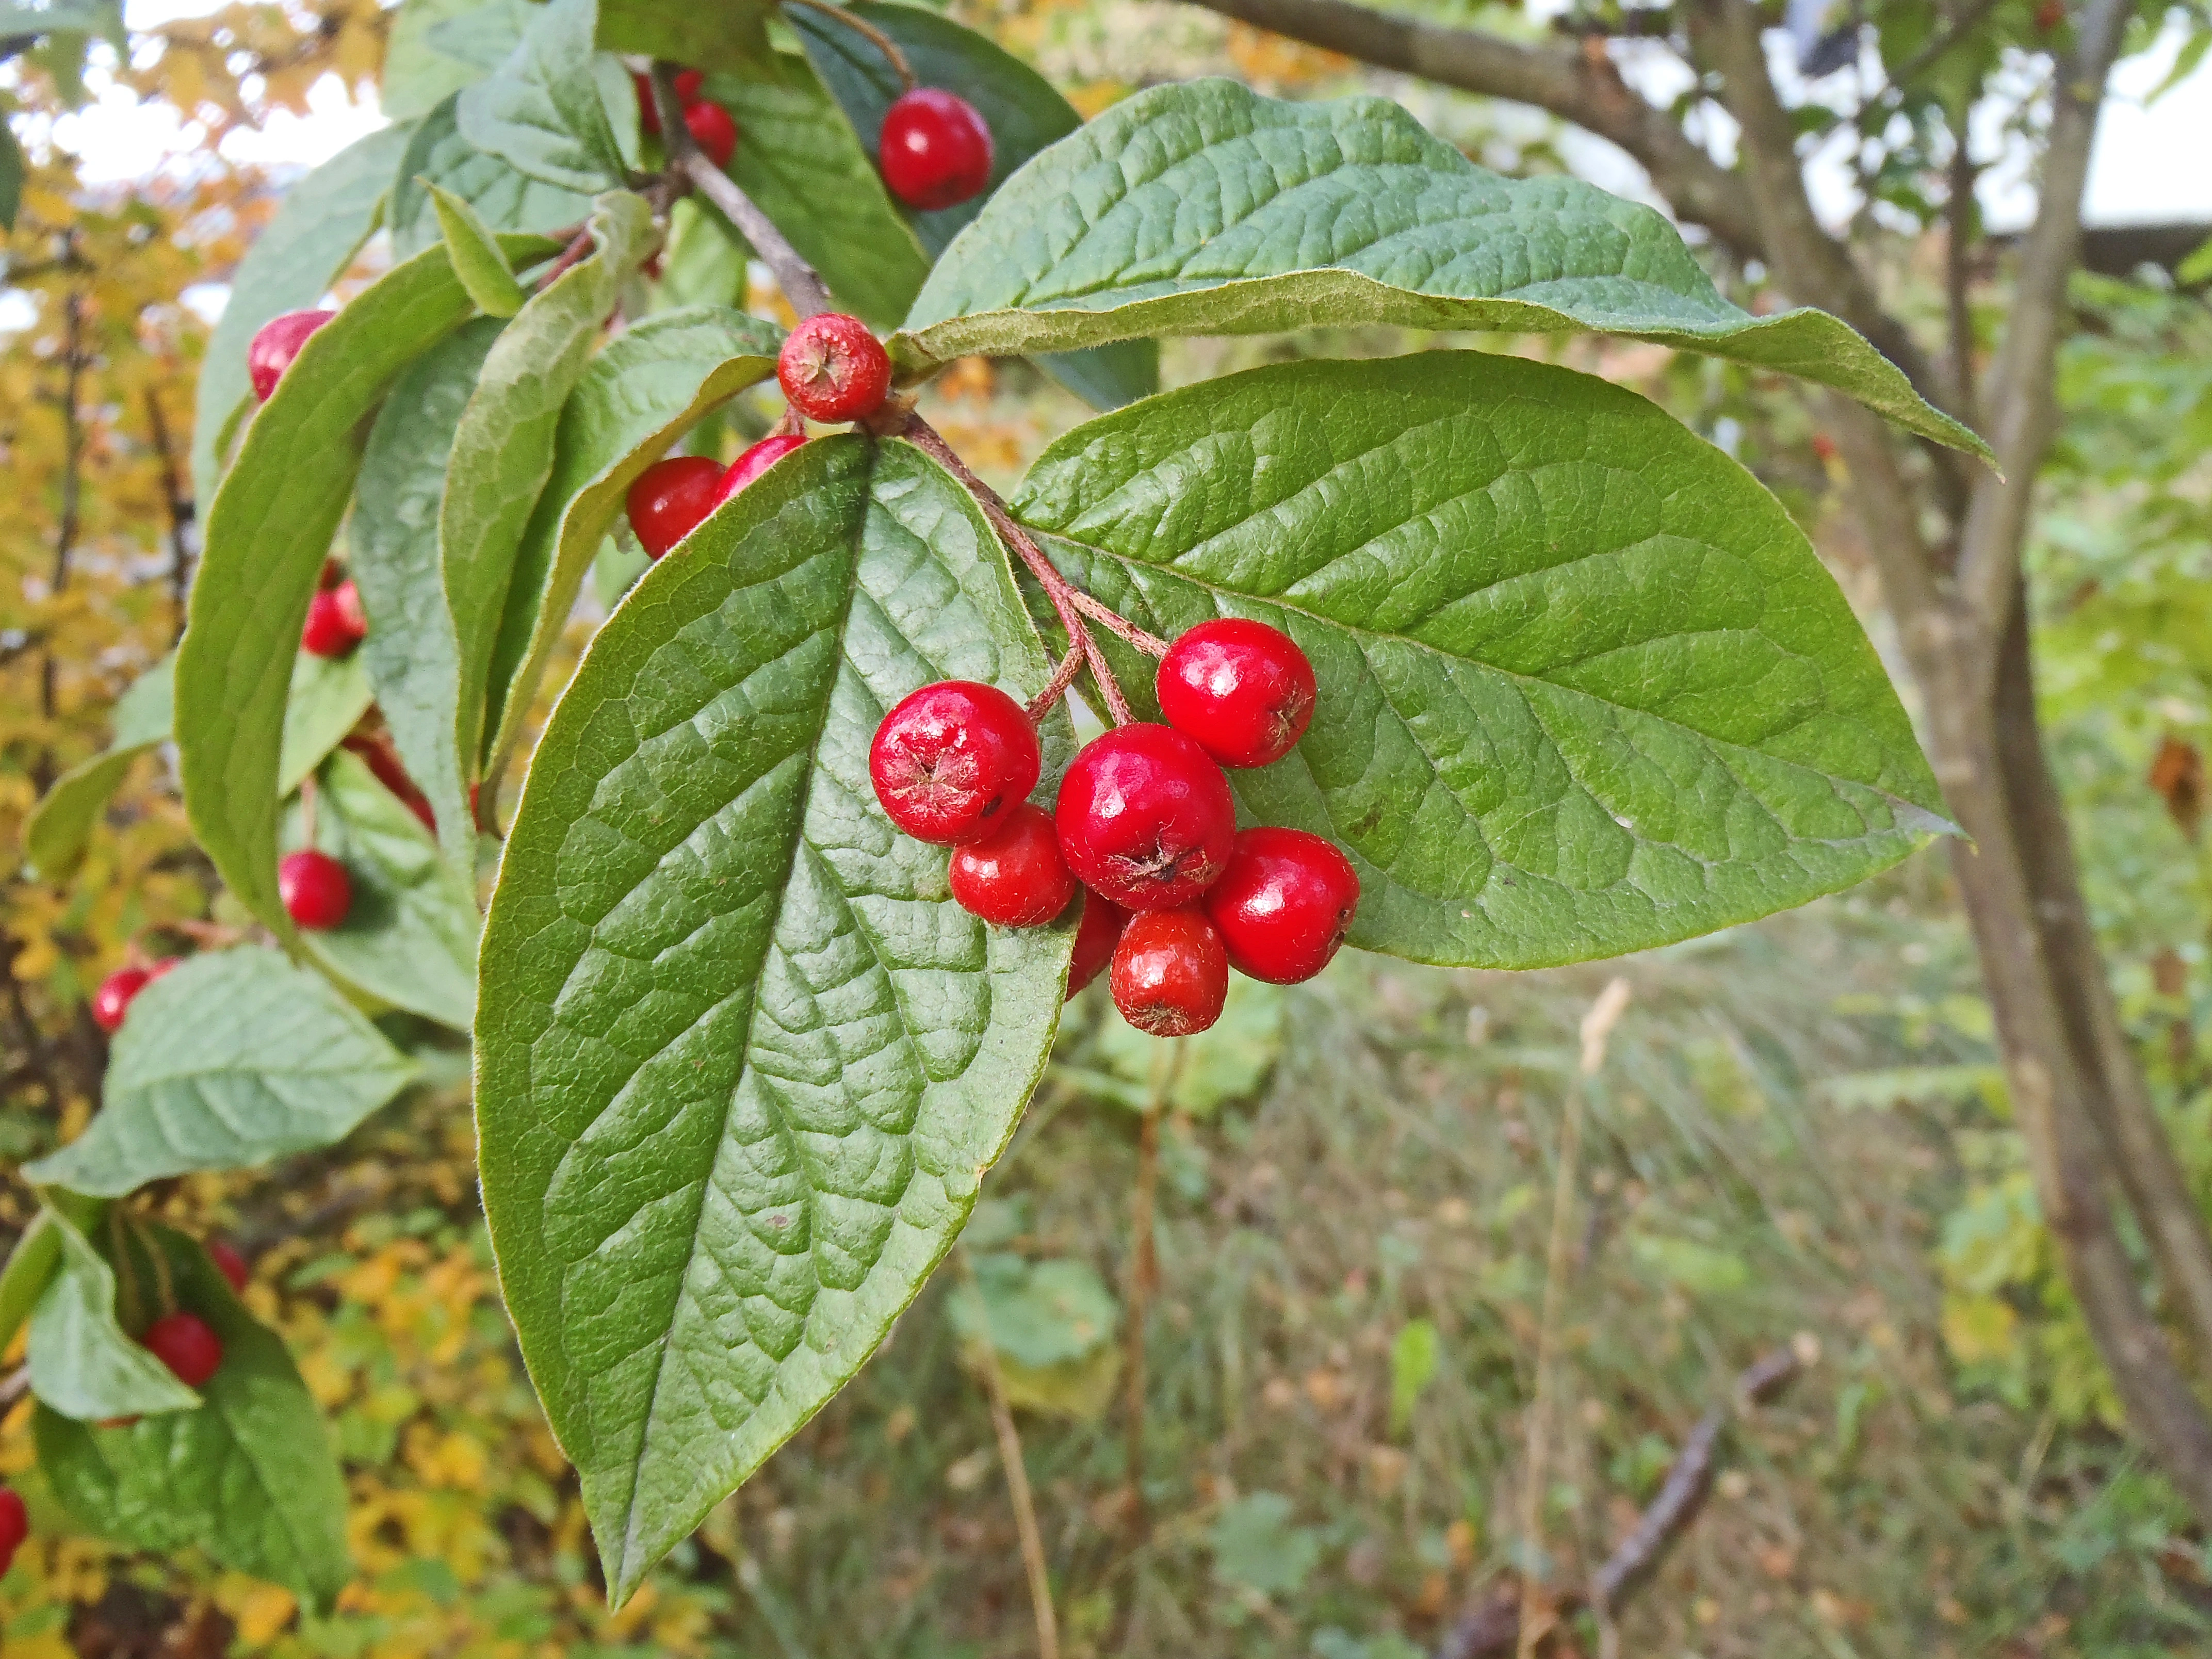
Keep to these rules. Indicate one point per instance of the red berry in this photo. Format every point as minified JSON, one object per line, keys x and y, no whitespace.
{"x":934,"y":150}
{"x":670,"y":498}
{"x":1016,"y":879}
{"x":833,"y":369}
{"x":713,"y":131}
{"x":756,"y":460}
{"x":315,"y":887}
{"x":1096,"y":936}
{"x":231,"y":1265}
{"x":121,"y":989}
{"x":276,"y":344}
{"x":1244,"y":690}
{"x":1144,"y":818}
{"x":15,"y":1526}
{"x":336,"y":621}
{"x":1283,"y":904}
{"x":1171,"y":974}
{"x":187,"y":1345}
{"x":951,"y":758}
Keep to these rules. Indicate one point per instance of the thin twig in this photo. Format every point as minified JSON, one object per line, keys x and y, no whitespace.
{"x":180,"y":510}
{"x":1057,"y":687}
{"x":13,"y":1385}
{"x":1099,"y":611}
{"x":860,"y":26}
{"x":1018,"y":1485}
{"x":571,"y":256}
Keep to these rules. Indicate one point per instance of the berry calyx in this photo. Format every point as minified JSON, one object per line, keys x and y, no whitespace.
{"x":1096,"y":936}
{"x":315,"y":887}
{"x":756,"y":460}
{"x":1171,"y":974}
{"x":714,"y":130}
{"x":1284,"y":904}
{"x":1145,"y":818}
{"x":951,"y":759}
{"x":276,"y":343}
{"x":187,"y":1345}
{"x":336,"y":621}
{"x":670,"y":498}
{"x":227,"y":1262}
{"x":833,"y":369}
{"x":934,"y":149}
{"x":1243,"y":690}
{"x":1015,"y":878}
{"x":15,"y":1526}
{"x":121,"y":989}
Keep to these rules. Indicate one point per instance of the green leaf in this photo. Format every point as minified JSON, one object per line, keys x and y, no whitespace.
{"x":81,"y":1362}
{"x":439,"y":47}
{"x":741,"y":1060}
{"x":1036,"y":1315}
{"x":230,"y":1059}
{"x":503,"y":198}
{"x":411,"y":654}
{"x":411,"y":937}
{"x":540,"y":111}
{"x":801,"y":164}
{"x":478,"y":259}
{"x":502,"y":450}
{"x":267,"y":530}
{"x":1204,"y":209}
{"x":2196,"y":268}
{"x":704,"y":261}
{"x":12,"y":175}
{"x":55,"y":835}
{"x":30,"y":1269}
{"x":1413,"y":1368}
{"x":252,"y":1477}
{"x":1586,"y":689}
{"x":652,"y":383}
{"x":732,"y":36}
{"x":328,"y":696}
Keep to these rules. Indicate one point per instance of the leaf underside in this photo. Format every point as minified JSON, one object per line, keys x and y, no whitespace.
{"x":504,"y":198}
{"x":741,"y":1060}
{"x":1585,"y":687}
{"x":80,"y":1360}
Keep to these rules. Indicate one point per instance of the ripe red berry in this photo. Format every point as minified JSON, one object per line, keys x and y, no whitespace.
{"x":951,"y":758}
{"x":315,"y":887}
{"x":121,"y":989}
{"x":1284,"y":904}
{"x":756,"y":460}
{"x":336,"y":621}
{"x":1096,"y":936}
{"x":187,"y":1345}
{"x":1016,"y":879}
{"x":274,"y":345}
{"x":1145,"y":818}
{"x":714,"y":130}
{"x":15,"y":1526}
{"x":833,"y":369}
{"x":934,"y":149}
{"x":670,"y":498}
{"x":1171,"y":974}
{"x":1244,"y":690}
{"x":231,"y":1265}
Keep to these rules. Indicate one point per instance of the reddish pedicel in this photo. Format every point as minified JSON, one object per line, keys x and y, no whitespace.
{"x":1016,"y":879}
{"x":315,"y":887}
{"x":1096,"y":936}
{"x":1284,"y":904}
{"x":1171,"y":974}
{"x":1243,"y":690}
{"x":670,"y":498}
{"x":833,"y":369}
{"x":276,"y":344}
{"x":228,"y":1263}
{"x":187,"y":1345}
{"x":756,"y":460}
{"x":1145,"y":818}
{"x":934,"y":149}
{"x":951,"y":758}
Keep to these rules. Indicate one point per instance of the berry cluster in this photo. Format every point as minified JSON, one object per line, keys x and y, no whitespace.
{"x":711,"y":126}
{"x":1175,"y":895}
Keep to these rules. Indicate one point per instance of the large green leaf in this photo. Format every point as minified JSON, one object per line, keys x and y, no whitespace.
{"x":411,"y":654}
{"x":1204,"y":209}
{"x":729,"y":36}
{"x":327,"y":698}
{"x":30,"y":1269}
{"x":478,"y":259}
{"x":55,"y":834}
{"x":325,"y":218}
{"x":741,"y":1061}
{"x":541,"y":110}
{"x":1025,"y":112}
{"x":82,"y":1363}
{"x":250,"y":1478}
{"x":410,"y":936}
{"x":502,"y":450}
{"x":650,"y":385}
{"x":503,"y":198}
{"x":439,"y":47}
{"x":230,"y":1059}
{"x":1585,"y":687}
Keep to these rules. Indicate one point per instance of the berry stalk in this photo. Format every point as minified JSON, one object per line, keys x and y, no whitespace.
{"x":874,"y":36}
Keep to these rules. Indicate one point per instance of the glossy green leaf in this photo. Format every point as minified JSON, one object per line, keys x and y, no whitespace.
{"x":437,"y":47}
{"x":732,"y":36}
{"x":250,"y":1478}
{"x":502,"y":450}
{"x":540,"y":111}
{"x":504,"y":199}
{"x":478,"y":259}
{"x":651,"y":384}
{"x":328,"y":696}
{"x":1203,"y":208}
{"x":325,"y":218}
{"x":81,"y":1362}
{"x":410,"y":936}
{"x":55,"y":835}
{"x":30,"y":1269}
{"x":411,"y":655}
{"x":231,"y":1059}
{"x":741,"y":1061}
{"x":1585,"y":687}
